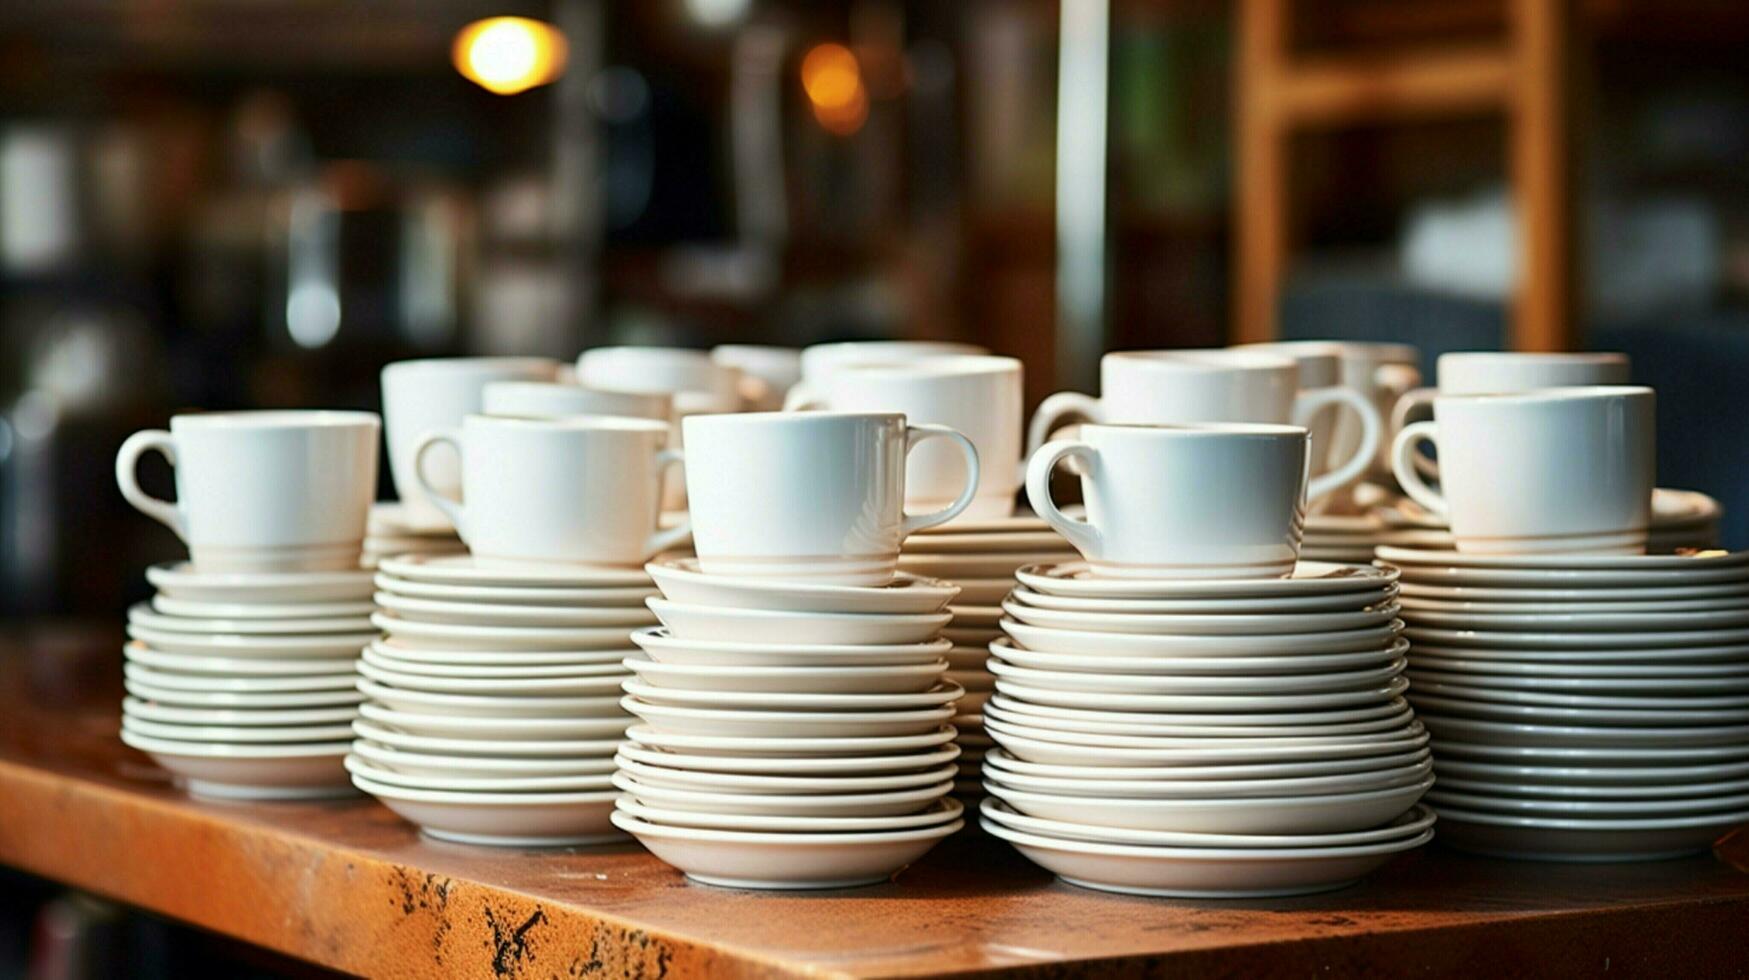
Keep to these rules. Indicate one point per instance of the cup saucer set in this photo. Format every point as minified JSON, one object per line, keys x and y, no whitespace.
{"x":794,"y":708}
{"x":1588,"y":701}
{"x":239,"y":671}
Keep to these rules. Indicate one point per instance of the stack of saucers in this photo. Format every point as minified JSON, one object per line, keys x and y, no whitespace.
{"x":493,"y":711}
{"x":1681,"y":519}
{"x":1205,"y":737}
{"x":241,"y":683}
{"x":979,"y":556}
{"x":793,"y":735}
{"x":1583,"y":707}
{"x":392,"y":531}
{"x":1342,"y":538}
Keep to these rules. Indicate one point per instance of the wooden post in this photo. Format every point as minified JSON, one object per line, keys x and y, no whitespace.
{"x":1260,"y":239}
{"x":1544,"y":308}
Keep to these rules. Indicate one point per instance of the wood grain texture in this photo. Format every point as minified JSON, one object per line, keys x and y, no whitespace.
{"x":349,"y":886}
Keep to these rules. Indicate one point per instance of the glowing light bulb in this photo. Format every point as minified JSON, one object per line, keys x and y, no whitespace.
{"x":832,"y":79}
{"x":507,"y":55}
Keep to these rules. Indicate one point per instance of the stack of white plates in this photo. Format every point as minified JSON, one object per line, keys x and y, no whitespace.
{"x":241,"y":683}
{"x":1341,"y":538}
{"x":494,"y":697}
{"x":794,"y":735}
{"x":1680,"y":519}
{"x":392,"y":531}
{"x":980,"y":556}
{"x":1205,"y":738}
{"x":1583,"y":707}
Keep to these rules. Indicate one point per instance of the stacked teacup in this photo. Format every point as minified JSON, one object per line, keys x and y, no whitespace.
{"x":239,"y":672}
{"x":1189,"y":711}
{"x":980,"y":396}
{"x":494,"y":692}
{"x":1588,"y":701}
{"x":794,"y":722}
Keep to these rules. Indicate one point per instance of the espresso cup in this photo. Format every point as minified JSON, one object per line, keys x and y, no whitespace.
{"x":263,"y":491}
{"x":583,"y":490}
{"x":810,"y":496}
{"x":1506,"y":372}
{"x":552,"y":400}
{"x":1194,"y":387}
{"x":1379,"y":372}
{"x":662,"y":370}
{"x":821,"y":361}
{"x":1558,"y":470}
{"x":1216,"y":501}
{"x":979,"y":396}
{"x":436,"y":393}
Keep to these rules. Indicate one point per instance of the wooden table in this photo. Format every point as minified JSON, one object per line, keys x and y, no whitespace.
{"x":349,"y":886}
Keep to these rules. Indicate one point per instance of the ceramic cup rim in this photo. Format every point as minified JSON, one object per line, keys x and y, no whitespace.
{"x":277,"y":418}
{"x":1568,"y":394}
{"x":1203,"y":360}
{"x":567,"y":423}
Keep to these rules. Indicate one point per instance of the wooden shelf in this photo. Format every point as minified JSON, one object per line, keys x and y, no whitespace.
{"x":349,"y":886}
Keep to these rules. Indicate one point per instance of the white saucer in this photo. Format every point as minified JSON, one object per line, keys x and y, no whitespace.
{"x":1204,"y":872}
{"x":941,"y":810}
{"x":338,"y":680}
{"x":1711,"y":561}
{"x":359,"y":765}
{"x":1579,"y":839}
{"x":1075,"y":578}
{"x":321,"y":646}
{"x":887,"y":679}
{"x":1549,"y":621}
{"x":603,"y":727}
{"x":784,"y":861}
{"x":1318,"y":814}
{"x":200,"y":663}
{"x":1022,"y":521}
{"x":1277,"y":605}
{"x":1519,"y":596}
{"x":997,"y":758}
{"x":1310,"y":663}
{"x":1150,"y":683}
{"x":502,"y":819}
{"x":937,"y":695}
{"x":234,"y":734}
{"x":1602,"y":782}
{"x":451,"y":764}
{"x":455,"y":636}
{"x":170,"y":714}
{"x":1428,"y":610}
{"x":795,"y":745}
{"x":1670,"y":509}
{"x":1583,"y":694}
{"x":1411,"y":822}
{"x":492,"y":614}
{"x":1559,"y":715}
{"x":537,"y":690}
{"x":171,"y":606}
{"x":1615,"y":640}
{"x":494,"y":747}
{"x":584,"y":665}
{"x":981,"y":565}
{"x":1611,"y":737}
{"x":1727,"y":677}
{"x":395,"y":517}
{"x":748,"y":723}
{"x":1726,"y":655}
{"x":267,"y":701}
{"x":1491,"y":800}
{"x":434,"y":658}
{"x":250,"y":772}
{"x":488,"y":706}
{"x":517,"y":596}
{"x":1007,"y":711}
{"x":722,"y":783}
{"x":1213,"y":751}
{"x":1055,"y":640}
{"x":179,"y":580}
{"x":1187,"y":789}
{"x":1190,"y":624}
{"x":464,"y":570}
{"x":142,"y":615}
{"x":685,"y":620}
{"x":665,"y":648}
{"x":682,"y":582}
{"x":985,"y":542}
{"x":925,"y":754}
{"x":1202,"y":702}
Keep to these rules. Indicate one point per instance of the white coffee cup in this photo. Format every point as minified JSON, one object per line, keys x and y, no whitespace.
{"x":977,"y":395}
{"x":1556,"y":470}
{"x":263,"y":491}
{"x":810,"y":496}
{"x":436,"y":393}
{"x":662,"y":370}
{"x":582,"y":490}
{"x":1192,"y":387}
{"x":821,"y":360}
{"x":1381,"y":372}
{"x":1215,"y":501}
{"x":552,"y":400}
{"x":1506,"y":372}
{"x":777,"y":369}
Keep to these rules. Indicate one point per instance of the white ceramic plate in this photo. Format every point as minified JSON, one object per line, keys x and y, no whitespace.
{"x":940,"y":694}
{"x":320,"y":646}
{"x":510,"y":595}
{"x":491,"y":668}
{"x":196,"y":608}
{"x":1214,"y":752}
{"x":234,"y":734}
{"x":510,"y":726}
{"x":1051,"y":640}
{"x":1311,"y":663}
{"x":880,"y":803}
{"x":1583,"y":613}
{"x":1187,"y":624}
{"x":492,"y":706}
{"x":538,"y":690}
{"x":887,"y":679}
{"x":231,"y":701}
{"x":743,"y":722}
{"x":1113,"y":723}
{"x":469,"y":745}
{"x":490,"y":614}
{"x":342,"y":680}
{"x":1608,"y":623}
{"x":1728,"y":655}
{"x":434,"y":657}
{"x":1501,"y":799}
{"x":793,"y":745}
{"x":501,"y":819}
{"x":784,"y":861}
{"x":198,"y":663}
{"x":1411,"y":823}
{"x":1318,"y":814}
{"x":250,"y":772}
{"x":1387,"y":710}
{"x":572,"y":783}
{"x":717,"y":623}
{"x":1150,"y":683}
{"x":744,"y":784}
{"x":997,"y":758}
{"x":1577,"y":839}
{"x":1615,"y":736}
{"x":179,"y":580}
{"x":1595,"y":783}
{"x":1275,"y":605}
{"x":1634,"y":699}
{"x":980,"y":565}
{"x":1075,"y":578}
{"x":1573,"y":597}
{"x":665,"y":648}
{"x":682,"y":582}
{"x":1598,"y":678}
{"x":450,"y":764}
{"x":454,"y":636}
{"x":1670,"y":508}
{"x":935,"y":751}
{"x":1410,"y":730}
{"x":1503,"y":639}
{"x":1204,"y":872}
{"x":1543,"y":714}
{"x":943,"y":810}
{"x":172,"y":714}
{"x":464,"y":570}
{"x":1555,"y":578}
{"x":1686,"y":564}
{"x":1190,"y":789}
{"x":1202,"y":702}
{"x":141,"y":614}
{"x":1622,"y":757}
{"x":1022,"y":520}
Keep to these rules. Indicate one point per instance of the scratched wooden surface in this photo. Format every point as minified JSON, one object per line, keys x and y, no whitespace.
{"x":349,"y":886}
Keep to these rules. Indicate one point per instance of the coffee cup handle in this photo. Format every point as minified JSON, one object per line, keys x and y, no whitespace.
{"x":915,"y":434}
{"x":1057,"y":409}
{"x":800,"y":399}
{"x":1309,"y":404}
{"x":452,"y":509}
{"x":1406,"y":406}
{"x":127,"y":459}
{"x":1403,"y":465}
{"x":1082,"y":534}
{"x":660,"y":540}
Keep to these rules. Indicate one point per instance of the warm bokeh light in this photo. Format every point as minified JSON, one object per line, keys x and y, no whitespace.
{"x":507,"y":55}
{"x":832,"y":80}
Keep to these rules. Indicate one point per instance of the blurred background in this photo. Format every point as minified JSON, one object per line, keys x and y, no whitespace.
{"x":236,"y":203}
